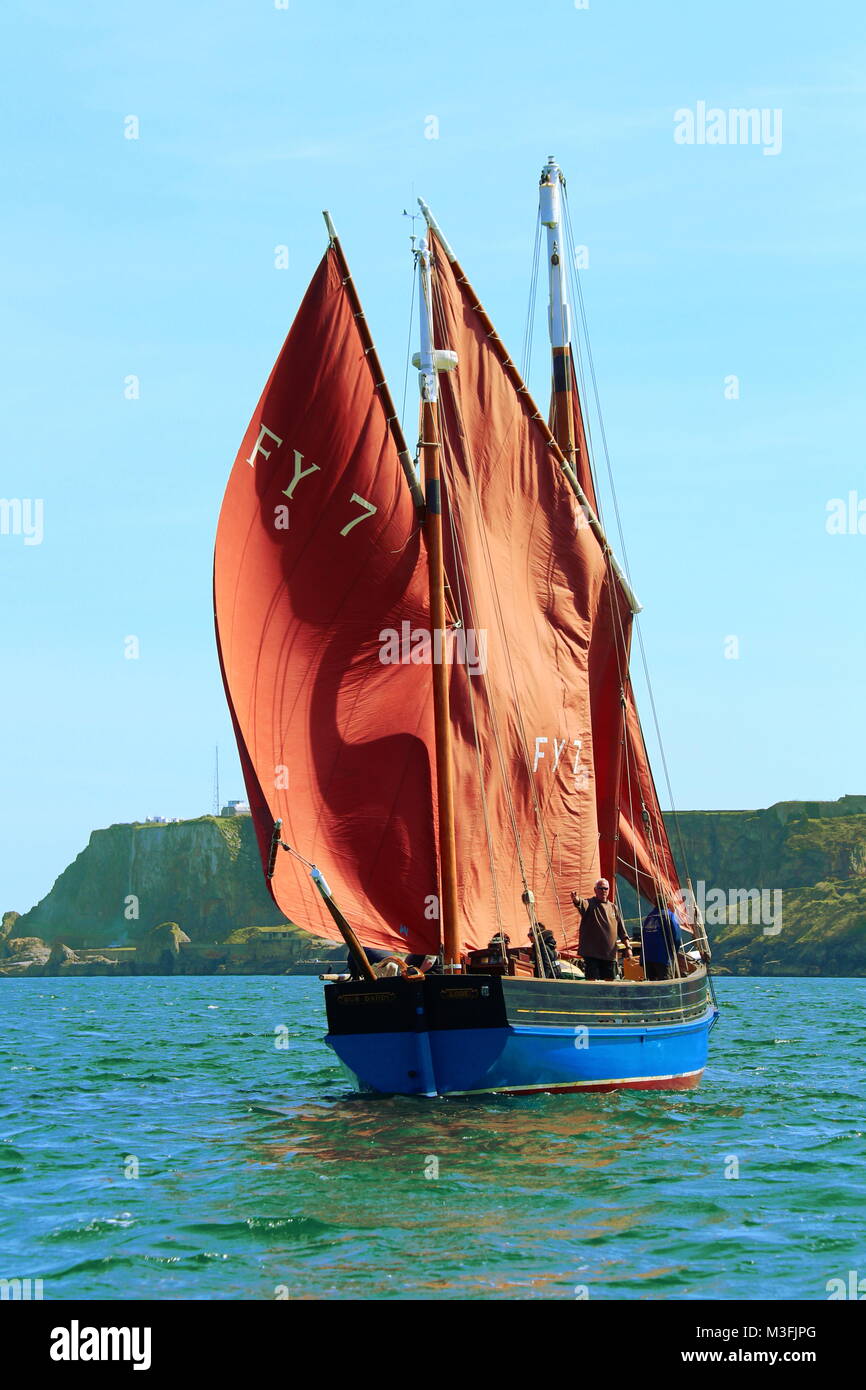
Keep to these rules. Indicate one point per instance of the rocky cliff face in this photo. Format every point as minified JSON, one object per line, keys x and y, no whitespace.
{"x":204,"y":874}
{"x":8,"y":928}
{"x":785,"y":846}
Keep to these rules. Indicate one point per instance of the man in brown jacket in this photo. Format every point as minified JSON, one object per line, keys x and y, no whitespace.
{"x":600,"y":925}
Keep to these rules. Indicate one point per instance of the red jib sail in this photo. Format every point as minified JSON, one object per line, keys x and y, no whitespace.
{"x":526,"y":576}
{"x":319,"y":571}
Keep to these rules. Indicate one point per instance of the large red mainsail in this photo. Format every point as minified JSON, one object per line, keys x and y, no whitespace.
{"x":319,"y":568}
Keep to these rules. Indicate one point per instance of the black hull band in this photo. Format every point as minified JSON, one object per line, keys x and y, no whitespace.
{"x":444,"y":1002}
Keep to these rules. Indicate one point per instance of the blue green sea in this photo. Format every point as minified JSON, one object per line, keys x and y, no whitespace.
{"x":194,"y":1138}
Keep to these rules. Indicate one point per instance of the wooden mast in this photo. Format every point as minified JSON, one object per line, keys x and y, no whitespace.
{"x":429,"y":364}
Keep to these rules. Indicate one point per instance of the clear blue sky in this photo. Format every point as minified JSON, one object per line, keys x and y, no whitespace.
{"x":155,"y":257}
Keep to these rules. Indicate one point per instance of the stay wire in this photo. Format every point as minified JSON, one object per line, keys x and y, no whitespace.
{"x":409,"y":344}
{"x":530,"y":313}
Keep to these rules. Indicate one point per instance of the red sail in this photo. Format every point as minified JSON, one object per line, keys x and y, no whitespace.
{"x":608,"y":678}
{"x":526,"y":575}
{"x":319,"y":582}
{"x":644,"y":855}
{"x":633,"y":838}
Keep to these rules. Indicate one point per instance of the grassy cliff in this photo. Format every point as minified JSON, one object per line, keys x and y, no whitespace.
{"x":206,"y":875}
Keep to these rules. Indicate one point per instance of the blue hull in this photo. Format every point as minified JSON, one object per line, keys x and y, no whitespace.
{"x":523,"y":1057}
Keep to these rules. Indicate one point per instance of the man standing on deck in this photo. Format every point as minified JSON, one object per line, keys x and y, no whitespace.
{"x":662,"y":940}
{"x":600,"y":925}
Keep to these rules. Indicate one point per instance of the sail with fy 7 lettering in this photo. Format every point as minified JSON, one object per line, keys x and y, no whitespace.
{"x":318,"y":560}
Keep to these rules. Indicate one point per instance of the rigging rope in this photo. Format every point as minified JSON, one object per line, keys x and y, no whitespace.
{"x":530,"y":313}
{"x":409,"y":345}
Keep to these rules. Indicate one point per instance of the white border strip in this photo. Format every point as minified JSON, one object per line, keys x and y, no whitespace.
{"x":577,"y":1085}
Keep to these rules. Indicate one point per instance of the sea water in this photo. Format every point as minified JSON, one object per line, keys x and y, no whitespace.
{"x":196,"y":1139}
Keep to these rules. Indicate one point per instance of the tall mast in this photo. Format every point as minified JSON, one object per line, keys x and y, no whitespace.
{"x":430,"y":363}
{"x":550,"y":212}
{"x":563,"y":426}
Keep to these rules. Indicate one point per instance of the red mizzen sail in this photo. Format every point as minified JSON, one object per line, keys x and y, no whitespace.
{"x":632,"y":834}
{"x":318,"y":561}
{"x":528,"y":575}
{"x":644,"y":856}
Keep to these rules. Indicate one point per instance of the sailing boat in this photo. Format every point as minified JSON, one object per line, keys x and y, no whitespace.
{"x":427,"y":667}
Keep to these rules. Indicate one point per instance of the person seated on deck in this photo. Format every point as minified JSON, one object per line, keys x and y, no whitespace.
{"x":550,"y":948}
{"x":601,"y":925}
{"x":662,"y":943}
{"x":498,"y":946}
